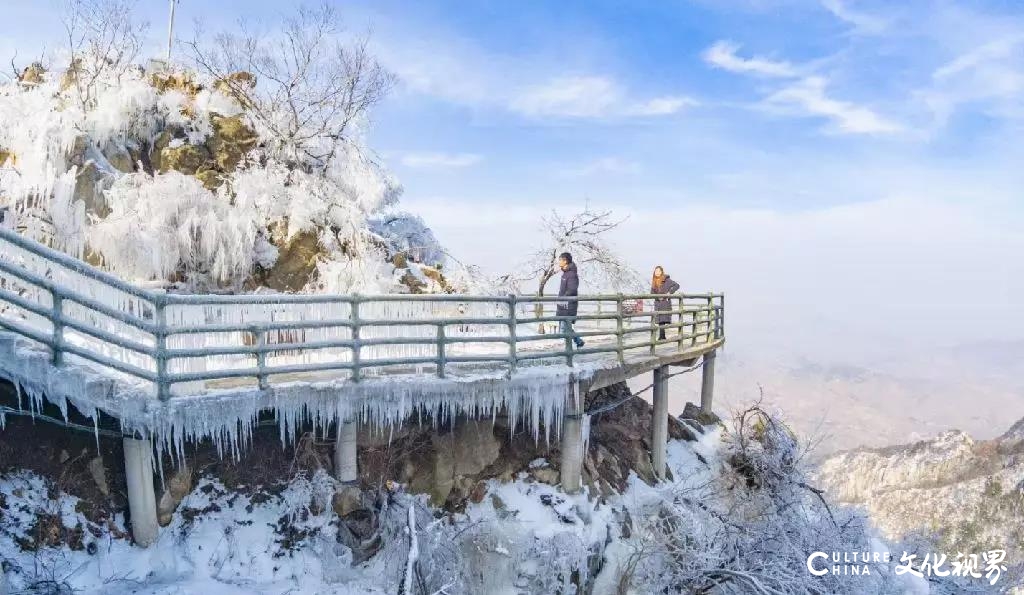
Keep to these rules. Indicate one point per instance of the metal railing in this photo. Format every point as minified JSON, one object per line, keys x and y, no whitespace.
{"x":183,"y":344}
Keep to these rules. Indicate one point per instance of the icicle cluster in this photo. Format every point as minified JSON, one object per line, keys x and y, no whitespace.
{"x":130,"y":307}
{"x":63,"y":191}
{"x":534,"y":397}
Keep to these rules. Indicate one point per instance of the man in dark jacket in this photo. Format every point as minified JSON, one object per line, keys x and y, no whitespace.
{"x":570,"y":286}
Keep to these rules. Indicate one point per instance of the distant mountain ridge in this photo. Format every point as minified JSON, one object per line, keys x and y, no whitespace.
{"x":967,"y":495}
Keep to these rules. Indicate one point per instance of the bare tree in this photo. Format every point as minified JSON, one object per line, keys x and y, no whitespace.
{"x":310,"y":86}
{"x":584,"y":235}
{"x":748,"y":526}
{"x":103,"y":42}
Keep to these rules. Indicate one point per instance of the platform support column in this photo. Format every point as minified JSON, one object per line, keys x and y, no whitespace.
{"x":138,"y":470}
{"x":346,"y":466}
{"x":707,"y":385}
{"x":659,"y":421}
{"x":572,"y":441}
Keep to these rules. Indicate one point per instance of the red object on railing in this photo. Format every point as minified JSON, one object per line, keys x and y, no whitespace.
{"x":633,"y":306}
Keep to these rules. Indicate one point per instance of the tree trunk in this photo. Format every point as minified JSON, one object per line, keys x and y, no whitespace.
{"x":538,"y":308}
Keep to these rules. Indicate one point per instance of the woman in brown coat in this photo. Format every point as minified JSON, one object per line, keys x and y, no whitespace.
{"x":662,"y":284}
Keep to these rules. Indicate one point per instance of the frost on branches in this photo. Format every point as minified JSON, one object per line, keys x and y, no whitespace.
{"x":745,"y":524}
{"x":248,"y":168}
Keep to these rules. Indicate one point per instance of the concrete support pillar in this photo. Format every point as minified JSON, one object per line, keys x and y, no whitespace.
{"x":138,"y":470}
{"x":659,"y":422}
{"x":707,"y":385}
{"x":572,"y":442}
{"x":346,"y":466}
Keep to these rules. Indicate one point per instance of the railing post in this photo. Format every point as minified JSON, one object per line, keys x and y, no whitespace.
{"x":163,"y":390}
{"x":721,"y":316}
{"x":512,"y":355}
{"x":261,"y":357}
{"x":619,"y":329}
{"x":708,"y":328}
{"x":58,"y":328}
{"x":682,"y":322}
{"x":693,"y":326}
{"x":563,"y":328}
{"x":654,"y":329}
{"x":353,"y":307}
{"x":440,"y":350}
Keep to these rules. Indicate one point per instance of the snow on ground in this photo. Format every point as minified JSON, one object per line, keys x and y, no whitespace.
{"x":226,"y":542}
{"x":521,"y":537}
{"x":229,"y":546}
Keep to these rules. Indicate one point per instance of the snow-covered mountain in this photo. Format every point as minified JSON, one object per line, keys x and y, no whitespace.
{"x":966,"y":494}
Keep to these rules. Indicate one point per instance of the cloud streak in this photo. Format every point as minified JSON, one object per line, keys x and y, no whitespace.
{"x":723,"y":55}
{"x":590,"y":97}
{"x":529,"y":87}
{"x":615,"y":166}
{"x":861,"y":21}
{"x":804,"y":95}
{"x":990,"y":76}
{"x":439,"y":160}
{"x":808,"y":97}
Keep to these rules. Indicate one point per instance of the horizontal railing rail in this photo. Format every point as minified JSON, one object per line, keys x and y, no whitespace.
{"x":184,"y":344}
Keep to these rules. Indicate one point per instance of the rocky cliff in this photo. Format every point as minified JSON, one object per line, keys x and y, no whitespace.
{"x":967,"y":494}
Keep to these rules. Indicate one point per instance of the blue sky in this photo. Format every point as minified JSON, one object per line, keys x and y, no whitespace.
{"x":807,"y":156}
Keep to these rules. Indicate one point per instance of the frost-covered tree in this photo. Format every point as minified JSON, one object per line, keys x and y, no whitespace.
{"x":311,"y":86}
{"x":749,"y":529}
{"x":585,"y":235}
{"x":103,"y":42}
{"x":407,"y":234}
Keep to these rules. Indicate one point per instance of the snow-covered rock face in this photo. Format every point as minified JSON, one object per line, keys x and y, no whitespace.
{"x":861,"y":474}
{"x":969,"y":494}
{"x":162,"y":176}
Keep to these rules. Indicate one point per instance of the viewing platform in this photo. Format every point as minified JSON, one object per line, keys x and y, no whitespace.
{"x":174,"y":367}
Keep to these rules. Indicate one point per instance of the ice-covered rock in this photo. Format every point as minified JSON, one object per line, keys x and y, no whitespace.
{"x":176,"y":487}
{"x":969,"y":494}
{"x":76,"y":139}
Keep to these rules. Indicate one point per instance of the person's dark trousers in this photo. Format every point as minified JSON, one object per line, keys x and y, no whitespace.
{"x":661,"y":333}
{"x":568,"y":330}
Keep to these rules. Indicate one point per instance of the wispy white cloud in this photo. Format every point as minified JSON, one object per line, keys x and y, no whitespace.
{"x":801,"y":94}
{"x":808,"y":97}
{"x":992,"y":52}
{"x":861,"y":21}
{"x":662,"y":106}
{"x":579,"y":96}
{"x":723,"y":55}
{"x":603,"y":165}
{"x":590,"y":97}
{"x":439,"y":160}
{"x":989,"y":76}
{"x":459,"y":71}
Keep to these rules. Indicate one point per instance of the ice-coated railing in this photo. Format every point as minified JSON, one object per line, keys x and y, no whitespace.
{"x":186,"y":344}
